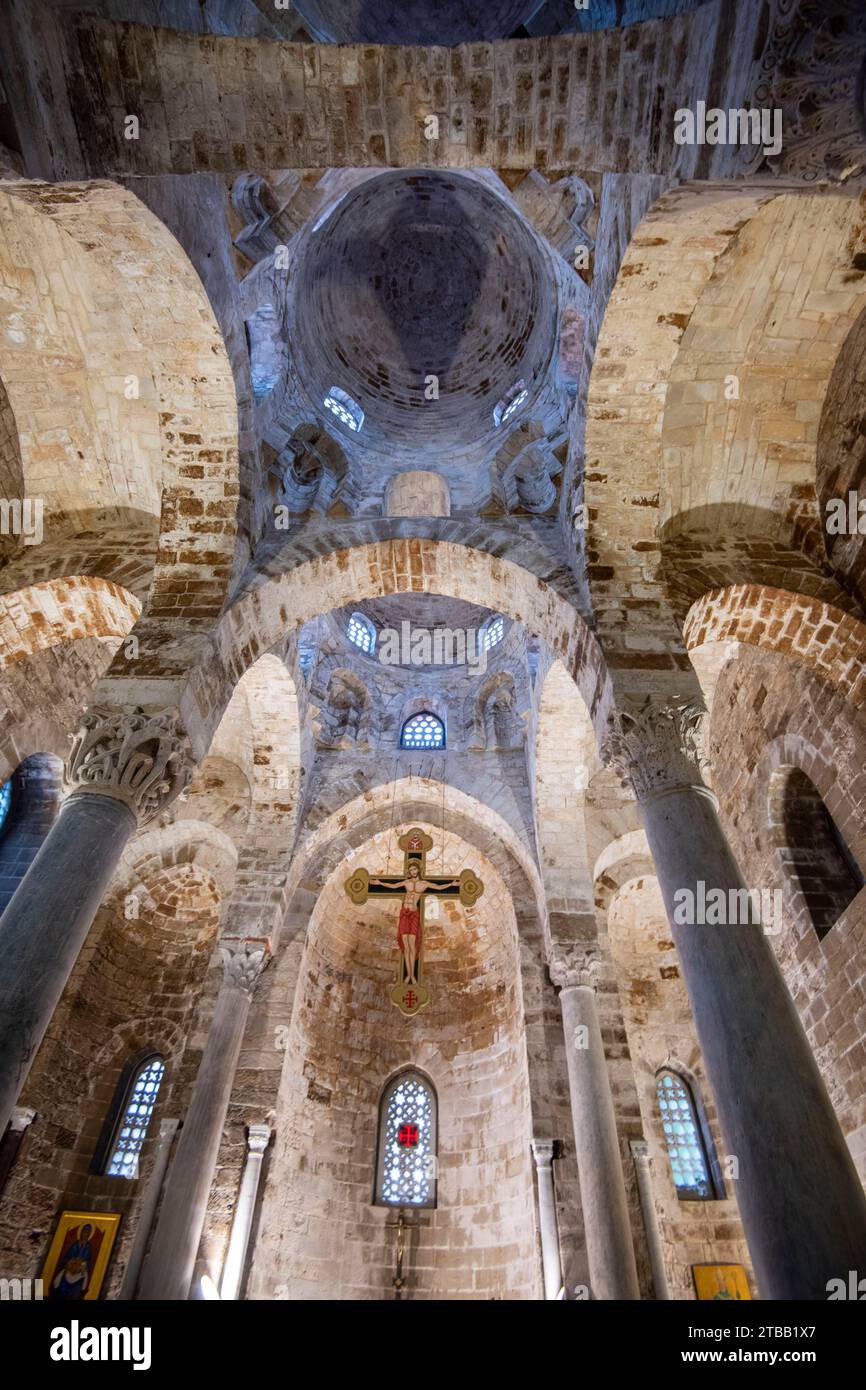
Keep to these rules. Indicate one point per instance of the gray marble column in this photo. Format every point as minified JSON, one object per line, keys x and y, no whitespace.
{"x":609,"y":1245}
{"x":123,"y":768}
{"x":800,"y":1198}
{"x":169,"y":1267}
{"x":542,"y":1152}
{"x":258,"y":1138}
{"x":640,"y":1157}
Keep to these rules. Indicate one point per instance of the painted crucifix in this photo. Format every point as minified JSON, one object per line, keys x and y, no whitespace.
{"x":409,"y":992}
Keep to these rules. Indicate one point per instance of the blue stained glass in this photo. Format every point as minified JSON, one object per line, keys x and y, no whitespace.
{"x":423,"y":731}
{"x":685,"y":1146}
{"x":132,"y":1130}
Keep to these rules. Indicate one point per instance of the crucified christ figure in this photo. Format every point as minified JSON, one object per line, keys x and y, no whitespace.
{"x":409,"y":925}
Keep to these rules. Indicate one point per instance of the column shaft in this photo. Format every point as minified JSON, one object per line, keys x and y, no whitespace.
{"x":46,"y":923}
{"x":257,"y":1142}
{"x":169,"y":1267}
{"x":801,"y":1201}
{"x":609,"y":1246}
{"x":650,"y":1219}
{"x":547,"y":1228}
{"x":147,"y":1209}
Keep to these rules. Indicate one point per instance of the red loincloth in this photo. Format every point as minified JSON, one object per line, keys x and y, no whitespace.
{"x":409,"y":925}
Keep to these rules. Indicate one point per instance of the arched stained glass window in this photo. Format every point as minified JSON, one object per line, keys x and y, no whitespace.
{"x":5,"y":802}
{"x":406,"y":1166}
{"x":492,"y":632}
{"x":687,"y":1149}
{"x":423,"y":730}
{"x":347,"y":410}
{"x":130,"y":1116}
{"x":511,"y":402}
{"x":362,"y":632}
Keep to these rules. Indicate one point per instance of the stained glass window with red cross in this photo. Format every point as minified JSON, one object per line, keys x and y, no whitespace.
{"x":406,"y":1170}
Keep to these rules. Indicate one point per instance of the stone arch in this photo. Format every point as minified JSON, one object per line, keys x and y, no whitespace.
{"x":769,"y":322}
{"x":57,"y":638}
{"x":565,"y":759}
{"x":655,"y":408}
{"x":188,"y":842}
{"x":831,"y":642}
{"x":416,"y":799}
{"x":348,"y":960}
{"x":819,"y":864}
{"x":263,"y":615}
{"x":63,"y":610}
{"x":250,"y":785}
{"x":160,"y":439}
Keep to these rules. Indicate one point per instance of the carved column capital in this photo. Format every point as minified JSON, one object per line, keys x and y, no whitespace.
{"x":543,"y":1152}
{"x":143,"y":760}
{"x":574,"y":965}
{"x":658,"y":746}
{"x":258,"y":1138}
{"x":639,"y":1152}
{"x":244,"y":958}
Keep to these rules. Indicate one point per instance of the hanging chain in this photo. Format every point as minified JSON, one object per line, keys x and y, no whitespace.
{"x":391,"y":826}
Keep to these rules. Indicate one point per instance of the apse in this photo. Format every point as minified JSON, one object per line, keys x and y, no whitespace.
{"x":413,"y":21}
{"x":425,"y":299}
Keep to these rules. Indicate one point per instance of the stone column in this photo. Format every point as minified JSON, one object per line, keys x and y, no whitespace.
{"x":123,"y":769}
{"x":169,"y":1267}
{"x":801,"y":1202}
{"x":150,"y":1201}
{"x":609,"y":1245}
{"x":640,"y":1157}
{"x":542,"y":1152}
{"x":258,"y":1138}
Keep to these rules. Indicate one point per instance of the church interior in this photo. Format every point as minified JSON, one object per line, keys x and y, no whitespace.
{"x":432,"y":649}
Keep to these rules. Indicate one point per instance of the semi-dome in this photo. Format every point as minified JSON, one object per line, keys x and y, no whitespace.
{"x":444,"y":22}
{"x":427,"y":302}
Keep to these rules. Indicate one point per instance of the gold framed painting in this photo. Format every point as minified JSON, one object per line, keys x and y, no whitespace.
{"x":79,"y":1255}
{"x":721,"y":1282}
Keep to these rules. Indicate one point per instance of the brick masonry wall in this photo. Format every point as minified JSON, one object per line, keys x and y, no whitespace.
{"x":598,"y":101}
{"x":134,"y":986}
{"x":771,"y":714}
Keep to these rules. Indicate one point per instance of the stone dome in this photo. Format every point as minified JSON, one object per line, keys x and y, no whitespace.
{"x":444,"y":22}
{"x":419,"y":275}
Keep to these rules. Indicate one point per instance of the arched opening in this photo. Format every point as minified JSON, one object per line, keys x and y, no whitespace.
{"x":815,"y":852}
{"x":423,"y":730}
{"x":322,"y":1230}
{"x":31,"y":797}
{"x":129,"y":1116}
{"x":407,"y":1156}
{"x":688,"y":1142}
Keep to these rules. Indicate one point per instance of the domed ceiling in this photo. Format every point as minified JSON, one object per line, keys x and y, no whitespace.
{"x":419,"y":610}
{"x":419,"y":275}
{"x":444,"y":22}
